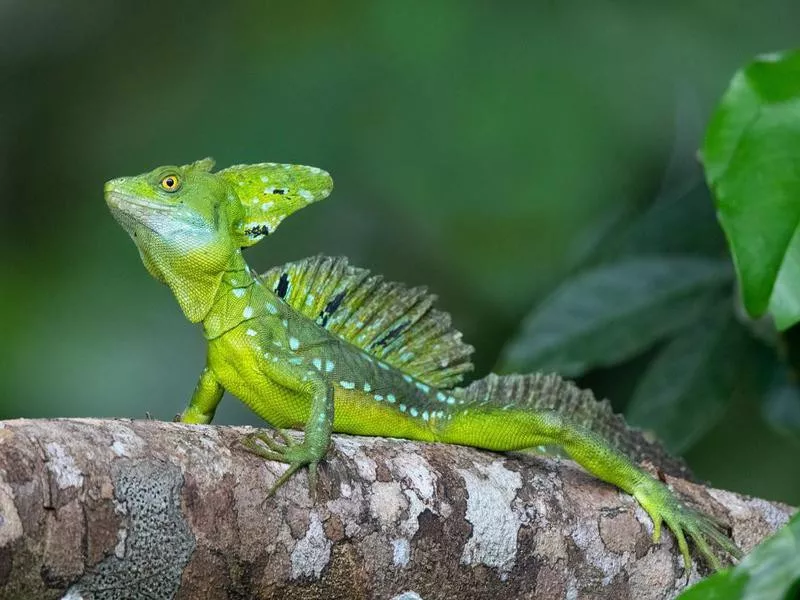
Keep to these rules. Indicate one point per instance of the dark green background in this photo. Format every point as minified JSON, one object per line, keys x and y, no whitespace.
{"x":478,"y":148}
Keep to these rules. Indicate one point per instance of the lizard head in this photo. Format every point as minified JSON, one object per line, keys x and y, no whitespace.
{"x":188,"y":223}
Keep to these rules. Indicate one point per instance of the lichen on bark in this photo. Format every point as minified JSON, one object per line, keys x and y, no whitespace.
{"x":129,"y":509}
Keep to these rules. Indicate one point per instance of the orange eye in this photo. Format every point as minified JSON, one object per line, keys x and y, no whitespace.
{"x":171,"y":183}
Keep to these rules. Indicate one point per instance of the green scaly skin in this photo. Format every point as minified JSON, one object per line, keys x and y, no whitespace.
{"x":190,"y":226}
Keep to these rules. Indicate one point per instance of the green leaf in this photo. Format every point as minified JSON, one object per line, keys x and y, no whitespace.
{"x":681,"y":221}
{"x":613,"y":312}
{"x":751,"y":155}
{"x":772,"y":570}
{"x":687,"y":388}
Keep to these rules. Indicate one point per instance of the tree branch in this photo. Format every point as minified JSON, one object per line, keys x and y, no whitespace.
{"x":143,"y":509}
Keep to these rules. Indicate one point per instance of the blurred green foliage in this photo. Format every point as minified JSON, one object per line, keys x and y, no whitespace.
{"x":771,"y":571}
{"x":489,"y":151}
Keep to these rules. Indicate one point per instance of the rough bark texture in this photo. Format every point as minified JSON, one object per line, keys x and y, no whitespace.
{"x":144,"y":509}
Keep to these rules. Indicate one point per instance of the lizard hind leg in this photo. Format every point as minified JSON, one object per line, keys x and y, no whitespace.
{"x":705,"y":532}
{"x":509,"y":429}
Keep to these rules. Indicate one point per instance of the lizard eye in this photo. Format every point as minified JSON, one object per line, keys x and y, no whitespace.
{"x":171,"y":183}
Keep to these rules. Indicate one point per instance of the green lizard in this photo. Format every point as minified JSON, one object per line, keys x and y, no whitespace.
{"x":322,"y":346}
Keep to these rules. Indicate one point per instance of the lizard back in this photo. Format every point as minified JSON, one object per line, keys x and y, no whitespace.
{"x":389,"y":321}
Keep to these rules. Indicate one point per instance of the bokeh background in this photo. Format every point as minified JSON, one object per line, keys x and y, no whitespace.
{"x":479,"y":148}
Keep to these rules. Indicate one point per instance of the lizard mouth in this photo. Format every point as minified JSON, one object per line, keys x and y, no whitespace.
{"x":129,"y":203}
{"x":135,"y":212}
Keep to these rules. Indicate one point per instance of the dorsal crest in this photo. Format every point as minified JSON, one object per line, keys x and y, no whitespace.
{"x":270,"y":192}
{"x":395,"y":324}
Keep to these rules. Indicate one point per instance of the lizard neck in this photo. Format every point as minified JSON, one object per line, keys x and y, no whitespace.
{"x":240,"y":297}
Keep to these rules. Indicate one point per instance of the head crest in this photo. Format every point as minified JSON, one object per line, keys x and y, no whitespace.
{"x":270,"y":192}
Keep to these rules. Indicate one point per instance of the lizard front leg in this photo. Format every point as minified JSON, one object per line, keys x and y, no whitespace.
{"x":316,"y":440}
{"x":204,"y":400}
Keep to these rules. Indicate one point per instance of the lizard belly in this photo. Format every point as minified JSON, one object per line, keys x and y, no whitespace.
{"x":358,"y":413}
{"x":239,"y":369}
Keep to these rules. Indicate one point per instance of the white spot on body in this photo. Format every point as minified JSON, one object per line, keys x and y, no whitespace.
{"x":264,"y":179}
{"x":266,"y":206}
{"x":329,"y":366}
{"x":390,"y":398}
{"x":251,"y":332}
{"x":367,"y":387}
{"x":247,"y":312}
{"x":422,"y":387}
{"x":413,"y":411}
{"x":378,"y":397}
{"x":407,"y":378}
{"x":238,"y":292}
{"x":348,"y":385}
{"x":306,"y":195}
{"x":294,"y":343}
{"x":272,"y":309}
{"x":317,"y":364}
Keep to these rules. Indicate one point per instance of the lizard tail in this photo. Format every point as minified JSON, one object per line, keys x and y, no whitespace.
{"x":549,"y":393}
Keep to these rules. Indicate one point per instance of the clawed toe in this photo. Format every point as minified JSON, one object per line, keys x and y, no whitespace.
{"x":686,"y":524}
{"x":255,"y":443}
{"x":296,"y":455}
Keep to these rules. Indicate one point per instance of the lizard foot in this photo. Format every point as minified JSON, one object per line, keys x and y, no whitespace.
{"x":705,"y":532}
{"x":295,"y":455}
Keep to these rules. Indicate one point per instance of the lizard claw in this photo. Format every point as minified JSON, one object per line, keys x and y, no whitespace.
{"x":295,"y":455}
{"x":662,"y":506}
